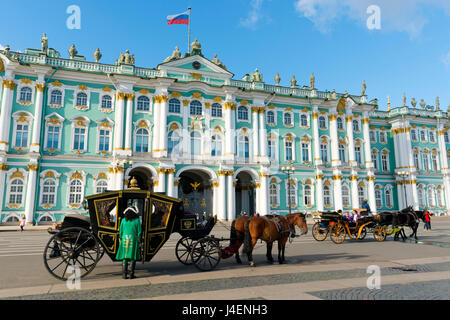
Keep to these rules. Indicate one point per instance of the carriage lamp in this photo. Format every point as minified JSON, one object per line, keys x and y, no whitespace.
{"x":288,"y":170}
{"x":404,"y":175}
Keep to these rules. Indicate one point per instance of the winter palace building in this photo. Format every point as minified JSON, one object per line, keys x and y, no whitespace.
{"x":71,"y":128}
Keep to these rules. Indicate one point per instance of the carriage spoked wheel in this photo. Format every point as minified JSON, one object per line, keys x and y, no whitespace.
{"x":183,"y":250}
{"x":337,"y":233}
{"x":72,"y":252}
{"x":205,"y":254}
{"x":319,"y":233}
{"x":363,"y":233}
{"x":379,"y":233}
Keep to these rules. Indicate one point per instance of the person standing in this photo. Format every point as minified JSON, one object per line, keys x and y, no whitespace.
{"x":129,"y":237}
{"x":22,"y":223}
{"x":428,"y":215}
{"x":366,"y":206}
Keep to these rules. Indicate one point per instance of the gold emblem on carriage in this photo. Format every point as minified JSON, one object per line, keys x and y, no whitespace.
{"x":188,"y":224}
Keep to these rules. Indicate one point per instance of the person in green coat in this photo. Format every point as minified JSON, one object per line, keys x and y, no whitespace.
{"x":129,"y":237}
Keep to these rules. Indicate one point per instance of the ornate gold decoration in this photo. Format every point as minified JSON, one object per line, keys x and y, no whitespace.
{"x":353,"y":178}
{"x":76,"y":175}
{"x":197,"y":95}
{"x":196,"y":76}
{"x":337,"y":177}
{"x":144,"y":91}
{"x":40,"y":87}
{"x":26,"y":81}
{"x":185,"y":103}
{"x":371,"y":178}
{"x":56,"y":83}
{"x":365,"y":120}
{"x":33,"y":167}
{"x":9,"y":84}
{"x":82,"y":87}
{"x":218,"y":99}
{"x":315,"y":115}
{"x":121,"y":96}
{"x":271,"y":106}
{"x":175,"y":94}
{"x":230,"y":105}
{"x":3,"y":167}
{"x":349,"y":118}
{"x":17,"y":174}
{"x":319,"y":176}
{"x":207,"y":105}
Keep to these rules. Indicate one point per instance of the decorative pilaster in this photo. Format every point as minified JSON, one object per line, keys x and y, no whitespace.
{"x":230,"y":145}
{"x":221,"y":197}
{"x":351,"y":142}
{"x":319,"y":191}
{"x":337,"y":188}
{"x":263,"y":136}
{"x":255,"y":133}
{"x":3,"y":168}
{"x":118,"y":124}
{"x":264,"y":194}
{"x":36,"y":135}
{"x":366,"y":133}
{"x":163,"y":110}
{"x":170,"y":182}
{"x":5,"y":115}
{"x":317,"y":159}
{"x":334,"y":143}
{"x":354,"y":188}
{"x":129,"y":124}
{"x":371,"y":190}
{"x":31,"y":192}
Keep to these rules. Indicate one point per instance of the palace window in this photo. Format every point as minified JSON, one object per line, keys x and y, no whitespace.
{"x":271,"y":147}
{"x":173,"y":140}
{"x":174,"y":106}
{"x":21,"y":140}
{"x":216,"y":110}
{"x":56,"y":97}
{"x":273,"y":194}
{"x":75,"y":192}
{"x":270,"y":117}
{"x":388,"y":197}
{"x":416,"y":159}
{"x":358,"y":156}
{"x":327,"y":196}
{"x":425,"y":160}
{"x":16,"y":191}
{"x":373,"y":137}
{"x":79,"y":139}
{"x":48,"y":192}
{"x":195,"y":108}
{"x":307,"y":195}
{"x":440,"y":197}
{"x":384,"y":161}
{"x":434,"y":161}
{"x":355,"y":125}
{"x":142,"y":140}
{"x":82,"y":99}
{"x":242,"y":113}
{"x":216,"y":145}
{"x":196,"y":139}
{"x":303,"y":120}
{"x":324,"y":152}
{"x":345,"y":196}
{"x":53,"y":135}
{"x":106,"y":102}
{"x":446,"y":139}
{"x":288,"y":150}
{"x":340,"y":123}
{"x":104,"y":140}
{"x":382,"y":137}
{"x":143,"y":103}
{"x":431,"y":136}
{"x":342,"y":153}
{"x":26,"y":94}
{"x":431,"y":197}
{"x":287,"y":119}
{"x":423,"y":137}
{"x":374,"y":157}
{"x":101,"y":186}
{"x":305,"y":152}
{"x":378,"y":198}
{"x":243,"y":147}
{"x":292,"y":193}
{"x":322,"y":122}
{"x":413,"y":135}
{"x":421,"y":196}
{"x":361,"y":194}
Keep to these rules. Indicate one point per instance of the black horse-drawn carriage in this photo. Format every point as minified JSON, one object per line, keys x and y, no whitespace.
{"x":81,"y":241}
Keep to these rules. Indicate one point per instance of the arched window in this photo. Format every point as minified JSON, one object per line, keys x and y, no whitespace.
{"x":196,"y":108}
{"x":242,"y":113}
{"x":388,"y":197}
{"x":421,"y":196}
{"x":49,"y":192}
{"x":273,"y":194}
{"x":307,"y":195}
{"x":322,"y":122}
{"x":340,"y":123}
{"x":324,"y":151}
{"x":358,"y":156}
{"x":345,"y":196}
{"x":327,"y":196}
{"x":440,"y":197}
{"x":174,"y":106}
{"x":142,"y":139}
{"x":106,"y":102}
{"x":373,"y":136}
{"x":173,"y":140}
{"x":305,"y":151}
{"x":16,"y":192}
{"x":425,"y":160}
{"x":374,"y":156}
{"x":216,"y":145}
{"x":82,"y":99}
{"x":271,"y":117}
{"x":431,"y":197}
{"x":361,"y":194}
{"x":56,"y":97}
{"x":355,"y":125}
{"x":289,"y":149}
{"x":75,"y":192}
{"x":385,"y":161}
{"x":434,"y":161}
{"x":143,"y":103}
{"x":287,"y":119}
{"x":303,"y":120}
{"x":104,"y":140}
{"x":342,"y":152}
{"x":216,"y":110}
{"x":292,"y":193}
{"x":101,"y":186}
{"x":21,"y":135}
{"x":26,"y":94}
{"x":196,"y":143}
{"x":243,"y":146}
{"x":378,"y":198}
{"x":271,"y":148}
{"x":382,"y":137}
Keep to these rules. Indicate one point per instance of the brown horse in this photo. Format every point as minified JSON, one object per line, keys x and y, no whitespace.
{"x":268,"y":228}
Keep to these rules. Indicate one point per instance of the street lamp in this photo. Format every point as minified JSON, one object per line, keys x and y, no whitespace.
{"x":288,"y":170}
{"x":404,"y":175}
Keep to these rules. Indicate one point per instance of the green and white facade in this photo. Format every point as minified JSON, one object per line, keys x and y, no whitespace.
{"x":71,"y":128}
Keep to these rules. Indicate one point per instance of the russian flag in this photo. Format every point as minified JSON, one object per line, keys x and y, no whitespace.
{"x":181,"y":18}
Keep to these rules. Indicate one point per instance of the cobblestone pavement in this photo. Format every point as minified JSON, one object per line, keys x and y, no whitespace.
{"x":148,"y":291}
{"x":428,"y":290}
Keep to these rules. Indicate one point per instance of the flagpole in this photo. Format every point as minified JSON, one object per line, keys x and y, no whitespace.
{"x":189,"y":30}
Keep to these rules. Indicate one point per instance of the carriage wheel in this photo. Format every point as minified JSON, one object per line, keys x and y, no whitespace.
{"x":363,"y":233}
{"x":319,"y":233}
{"x":205,"y":254}
{"x":72,"y":252}
{"x":337,"y":233}
{"x":183,"y":250}
{"x":379,"y":233}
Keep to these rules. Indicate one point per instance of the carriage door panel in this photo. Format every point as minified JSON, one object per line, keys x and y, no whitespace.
{"x":158,"y":226}
{"x":108,"y":223}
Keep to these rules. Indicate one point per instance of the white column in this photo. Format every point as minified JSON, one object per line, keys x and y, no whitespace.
{"x":317,"y":159}
{"x":3,"y":168}
{"x":163,"y":110}
{"x":170,"y":183}
{"x":366,"y":133}
{"x":36,"y":134}
{"x":351,"y":143}
{"x":156,"y":125}
{"x":118,"y":124}
{"x":263,"y":135}
{"x":354,"y":187}
{"x":264,"y":194}
{"x":119,"y":177}
{"x":371,"y":191}
{"x":255,"y":133}
{"x":129,"y":124}
{"x":111,"y":178}
{"x":161,"y":180}
{"x":176,"y":183}
{"x":31,"y":192}
{"x":334,"y":142}
{"x":231,"y":197}
{"x":447,"y":192}
{"x":415,"y":196}
{"x":230,"y":145}
{"x":337,"y":188}
{"x":319,"y":191}
{"x":221,"y":200}
{"x":5,"y":115}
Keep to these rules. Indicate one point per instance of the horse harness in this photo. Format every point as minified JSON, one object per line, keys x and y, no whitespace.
{"x":278,"y":222}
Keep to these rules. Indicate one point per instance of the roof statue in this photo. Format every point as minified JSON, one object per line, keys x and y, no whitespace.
{"x":389,"y":103}
{"x":44,"y":43}
{"x":176,"y":54}
{"x":218,"y":62}
{"x":438,"y":104}
{"x":423,"y":103}
{"x":277,"y":79}
{"x":97,"y":55}
{"x":413,"y":102}
{"x":196,"y":48}
{"x":293,"y":82}
{"x":256,"y":77}
{"x":333,"y":95}
{"x":404,"y":100}
{"x":125,"y":58}
{"x":246,"y":78}
{"x":312,"y":81}
{"x":363,"y":92}
{"x":72,"y":51}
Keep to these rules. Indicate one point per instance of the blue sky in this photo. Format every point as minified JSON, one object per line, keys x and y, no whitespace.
{"x":409,"y":54}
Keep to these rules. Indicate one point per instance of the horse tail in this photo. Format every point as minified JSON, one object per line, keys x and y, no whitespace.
{"x":233,"y":234}
{"x":247,"y":238}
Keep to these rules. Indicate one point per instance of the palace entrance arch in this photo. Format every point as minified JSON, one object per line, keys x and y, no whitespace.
{"x":245,"y":194}
{"x":196,"y":190}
